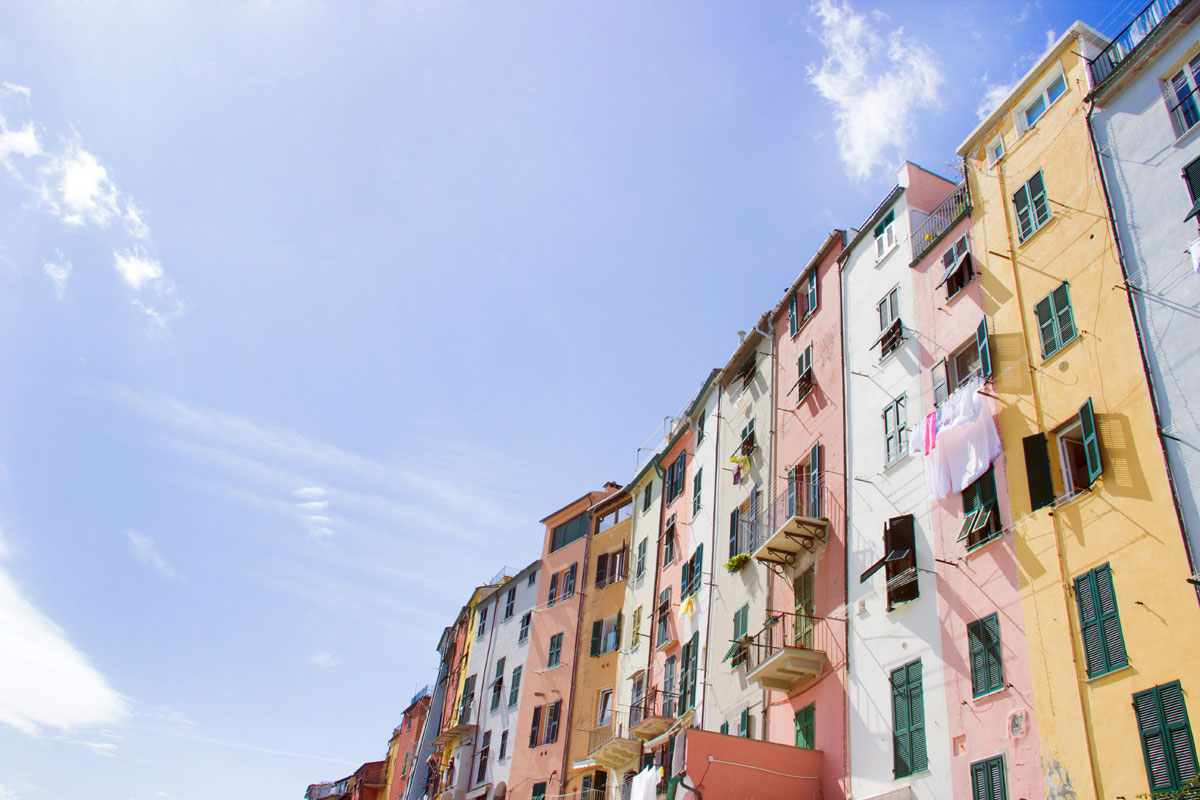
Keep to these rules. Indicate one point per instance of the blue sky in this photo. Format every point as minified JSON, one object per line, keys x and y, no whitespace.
{"x":310,"y":311}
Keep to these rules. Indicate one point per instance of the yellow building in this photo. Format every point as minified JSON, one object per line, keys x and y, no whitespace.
{"x":1111,"y":620}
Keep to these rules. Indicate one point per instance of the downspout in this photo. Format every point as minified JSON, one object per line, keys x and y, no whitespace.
{"x":716,"y":482}
{"x":583,"y":573}
{"x":846,"y":488}
{"x":1059,"y":543}
{"x":772,"y":463}
{"x":1137,"y":329}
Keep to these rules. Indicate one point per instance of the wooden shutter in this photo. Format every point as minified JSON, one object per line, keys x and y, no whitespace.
{"x":553,"y":589}
{"x":992,"y":654}
{"x":916,"y":716}
{"x":1181,"y":748}
{"x":1064,"y":317}
{"x":941,"y":388}
{"x":812,"y":292}
{"x":1109,"y":618}
{"x":1046,"y":326}
{"x":698,"y":567}
{"x":792,"y":321}
{"x":1022,"y":207}
{"x":995,"y":775}
{"x":533,"y":729}
{"x":1091,"y":442}
{"x":569,"y":584}
{"x":901,"y":739}
{"x":1089,"y":624}
{"x":733,"y":532}
{"x":814,"y":480}
{"x":1037,"y":470}
{"x":978,"y":658}
{"x":791,"y":492}
{"x":979,"y":781}
{"x":601,"y":569}
{"x":985,"y":351}
{"x":1146,"y":708}
{"x":1037,"y":198}
{"x":597,"y":636}
{"x":805,"y":727}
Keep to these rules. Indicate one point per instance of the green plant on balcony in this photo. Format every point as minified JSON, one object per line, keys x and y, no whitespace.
{"x":737,"y":562}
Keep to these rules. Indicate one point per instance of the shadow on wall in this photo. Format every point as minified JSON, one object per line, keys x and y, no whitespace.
{"x":1008,"y":364}
{"x":1123,"y":475}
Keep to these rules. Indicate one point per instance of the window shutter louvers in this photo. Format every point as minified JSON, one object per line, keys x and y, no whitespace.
{"x":1046,"y":328}
{"x":916,"y":711}
{"x":1064,"y":317}
{"x":1154,"y":747}
{"x":941,"y":388}
{"x":978,"y":661}
{"x":901,"y":743}
{"x":1110,"y":620}
{"x":597,"y":636}
{"x":1091,"y":442}
{"x":1037,"y":192}
{"x":553,"y":589}
{"x":1180,"y":745}
{"x":1037,"y":469}
{"x":985,"y":351}
{"x":992,"y":654}
{"x":792,"y":320}
{"x":1022,"y":207}
{"x":533,"y":729}
{"x":814,"y":480}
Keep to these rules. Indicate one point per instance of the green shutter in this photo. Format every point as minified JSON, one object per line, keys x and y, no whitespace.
{"x":916,"y":716}
{"x":1099,"y":622}
{"x":725,"y":728}
{"x":985,"y":351}
{"x":978,"y":659}
{"x":987,"y":779}
{"x":1046,"y":326}
{"x":597,"y":636}
{"x":1064,"y":317}
{"x":1037,"y":470}
{"x":1091,"y":443}
{"x":698,"y":568}
{"x":901,"y":739}
{"x":792,"y":321}
{"x":1180,"y":745}
{"x":791,"y":493}
{"x":941,"y":387}
{"x":744,"y":723}
{"x":814,"y":480}
{"x":806,"y":727}
{"x":1037,"y":196}
{"x":812,"y":292}
{"x":1022,"y":206}
{"x":1167,"y":744}
{"x":993,"y":656}
{"x":1110,"y":620}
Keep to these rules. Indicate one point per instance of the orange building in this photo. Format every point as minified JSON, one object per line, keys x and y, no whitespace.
{"x":402,"y":749}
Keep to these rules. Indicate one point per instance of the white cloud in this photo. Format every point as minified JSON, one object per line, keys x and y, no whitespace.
{"x":308,"y":491}
{"x":79,"y":189}
{"x":58,"y":271}
{"x":144,"y":548}
{"x":133,"y":220}
{"x":44,"y":681}
{"x":1051,"y":38}
{"x":8,"y":794}
{"x":314,"y":505}
{"x":16,"y":88}
{"x":136,"y":268}
{"x":875,"y":83}
{"x":23,"y":142}
{"x":993,"y":94}
{"x":323,"y":659}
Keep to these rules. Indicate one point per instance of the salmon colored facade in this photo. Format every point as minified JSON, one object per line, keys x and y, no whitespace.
{"x":808,"y":586}
{"x":402,"y":749}
{"x":539,"y":761}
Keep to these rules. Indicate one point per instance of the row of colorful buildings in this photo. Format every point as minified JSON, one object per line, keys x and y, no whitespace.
{"x":931,"y":529}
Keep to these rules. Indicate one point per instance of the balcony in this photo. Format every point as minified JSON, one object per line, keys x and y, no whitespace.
{"x":948,"y":212}
{"x":653,"y":714}
{"x":461,"y":726}
{"x":612,"y":745}
{"x":1127,"y":40}
{"x":791,"y":651}
{"x":796,"y":525}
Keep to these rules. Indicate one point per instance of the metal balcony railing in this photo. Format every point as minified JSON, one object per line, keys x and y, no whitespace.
{"x":1128,"y":39}
{"x":795,"y":630}
{"x":949,"y":211}
{"x":617,"y":727}
{"x":656,"y":703}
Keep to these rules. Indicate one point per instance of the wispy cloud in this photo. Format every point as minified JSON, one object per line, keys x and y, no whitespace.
{"x":58,"y":271}
{"x":993,"y":94}
{"x":308,"y":491}
{"x":143,"y":547}
{"x":876,"y":83}
{"x":70,"y":183}
{"x":45,"y":682}
{"x":323,"y":659}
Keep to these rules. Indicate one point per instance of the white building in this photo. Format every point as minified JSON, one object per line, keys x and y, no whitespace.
{"x":496,"y":664}
{"x":1147,"y":129}
{"x":898,"y":732}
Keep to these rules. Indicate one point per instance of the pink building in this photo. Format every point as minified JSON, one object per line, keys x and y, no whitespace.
{"x":988,"y":688}
{"x":801,"y":654}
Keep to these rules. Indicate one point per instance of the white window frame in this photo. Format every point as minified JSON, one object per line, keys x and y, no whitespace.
{"x":1073,"y":430}
{"x":995,"y":150}
{"x":1040,"y":92}
{"x":885,"y":242}
{"x":897,"y":407}
{"x":1189,"y":68}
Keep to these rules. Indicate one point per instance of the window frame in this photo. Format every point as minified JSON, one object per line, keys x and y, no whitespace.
{"x":897,"y":408}
{"x":514,"y":690}
{"x":1034,"y":222}
{"x":554,"y":651}
{"x":994,"y":784}
{"x":1189,"y":70}
{"x":908,"y":695}
{"x":805,"y":376}
{"x":1059,"y":317}
{"x":526,"y":623}
{"x":884,"y":235}
{"x":1041,"y":95}
{"x":985,"y":655}
{"x":1099,"y":615}
{"x":697,"y":490}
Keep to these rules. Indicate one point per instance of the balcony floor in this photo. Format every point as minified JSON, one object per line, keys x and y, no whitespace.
{"x":797,"y":536}
{"x":788,"y":669}
{"x":616,"y":752}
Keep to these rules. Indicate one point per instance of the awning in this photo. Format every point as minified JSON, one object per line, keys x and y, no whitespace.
{"x":1195,"y":210}
{"x":479,"y":791}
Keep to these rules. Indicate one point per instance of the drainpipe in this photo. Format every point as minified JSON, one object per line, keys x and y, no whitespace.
{"x":583,"y":573}
{"x":1039,"y":414}
{"x":772,"y":464}
{"x":846,"y":489}
{"x":1137,"y":329}
{"x":712,"y":558}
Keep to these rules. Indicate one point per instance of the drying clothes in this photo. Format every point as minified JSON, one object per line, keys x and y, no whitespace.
{"x":645,"y":785}
{"x":967,"y":442}
{"x":1194,"y":252}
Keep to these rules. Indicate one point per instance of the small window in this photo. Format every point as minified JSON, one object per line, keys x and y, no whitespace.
{"x":604,"y":708}
{"x":899,"y":561}
{"x":1181,"y":97}
{"x":1056,"y":320}
{"x":983,"y":648}
{"x":569,"y":531}
{"x":663,"y":617}
{"x":484,"y":747}
{"x":749,"y":370}
{"x":746,"y":724}
{"x":995,"y":150}
{"x":532,"y":578}
{"x":553,"y":657}
{"x":957,"y":269}
{"x":675,"y":474}
{"x":806,"y":721}
{"x":1168,"y":747}
{"x":1079,"y":451}
{"x":668,"y":545}
{"x":891,"y":330}
{"x":647,"y":497}
{"x":895,"y":431}
{"x":693,"y":571}
{"x":748,"y":443}
{"x":981,"y":517}
{"x":1032,"y":209}
{"x":699,"y":430}
{"x":739,"y":650}
{"x":641,"y":558}
{"x":1191,"y":178}
{"x":606,"y":635}
{"x":885,"y":235}
{"x":510,"y":603}
{"x":804,"y":369}
{"x":697,"y":490}
{"x":808,"y":302}
{"x":503,"y":752}
{"x":804,"y":486}
{"x":988,"y":781}
{"x":1033,"y":111}
{"x":524,"y":633}
{"x":497,"y":685}
{"x":539,"y":791}
{"x":725,"y":728}
{"x":635,"y":629}
{"x":514,"y":691}
{"x":481,"y":624}
{"x":1100,"y":622}
{"x":793,"y":318}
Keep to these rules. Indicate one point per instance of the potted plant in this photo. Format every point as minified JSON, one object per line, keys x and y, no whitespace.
{"x":737,"y":562}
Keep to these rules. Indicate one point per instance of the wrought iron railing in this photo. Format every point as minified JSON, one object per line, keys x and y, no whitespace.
{"x":655,"y":703}
{"x":1128,"y":39}
{"x":617,"y":727}
{"x":794,"y":629}
{"x":949,"y":211}
{"x":812,"y":499}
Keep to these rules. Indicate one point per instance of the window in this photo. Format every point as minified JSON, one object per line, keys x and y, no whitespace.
{"x":749,"y":369}
{"x":569,"y":531}
{"x":1079,"y":458}
{"x":510,"y":603}
{"x":663,"y":617}
{"x":908,"y":721}
{"x":641,"y":558}
{"x":748,"y":441}
{"x":973,"y":358}
{"x":647,"y":497}
{"x":675,"y":477}
{"x":899,"y":561}
{"x":1034,"y":109}
{"x":693,"y":572}
{"x":604,"y":708}
{"x":498,"y":685}
{"x":803,"y":302}
{"x":1100,"y":622}
{"x":983,"y":646}
{"x":568,"y":583}
{"x":637,"y":707}
{"x":484,"y":747}
{"x":806,"y":720}
{"x":610,"y":567}
{"x":793,"y":318}
{"x":891,"y":329}
{"x":725,"y":728}
{"x":745,"y":724}
{"x":1056,"y":321}
{"x":804,"y":486}
{"x":739,"y":651}
{"x":606,"y":634}
{"x":981,"y":518}
{"x":514,"y":691}
{"x":613,"y":517}
{"x":895,"y":428}
{"x":699,"y":430}
{"x":635,"y":629}
{"x":532,"y":578}
{"x":737,"y":543}
{"x":503,"y":746}
{"x":539,"y":791}
{"x":995,"y":150}
{"x":481,"y":624}
{"x":1031,"y":207}
{"x":697,"y":486}
{"x":668,"y":543}
{"x":525,"y":620}
{"x":688,"y":664}
{"x":552,"y":659}
{"x":804,"y":607}
{"x":553,"y":712}
{"x":467,"y":700}
{"x":804,"y":369}
{"x":1191,"y":178}
{"x":668,"y":703}
{"x":1181,"y":97}
{"x":957,"y":269}
{"x":1167,"y":744}
{"x":987,"y":779}
{"x":885,"y":235}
